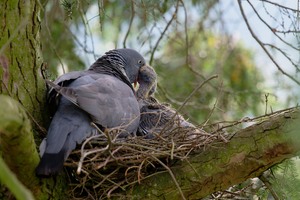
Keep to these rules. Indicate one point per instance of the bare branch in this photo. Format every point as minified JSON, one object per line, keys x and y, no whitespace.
{"x":263,"y":45}
{"x":130,"y":23}
{"x":164,"y":32}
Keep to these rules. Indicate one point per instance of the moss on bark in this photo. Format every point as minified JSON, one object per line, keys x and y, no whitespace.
{"x":20,"y":56}
{"x":20,"y":78}
{"x":19,"y":151}
{"x":249,"y":153}
{"x":17,"y":143}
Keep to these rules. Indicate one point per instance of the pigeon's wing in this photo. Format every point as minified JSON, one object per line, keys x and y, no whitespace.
{"x":69,"y":127}
{"x":63,"y":80}
{"x":69,"y":76}
{"x":68,"y":119}
{"x":68,"y":93}
{"x":110,"y":102}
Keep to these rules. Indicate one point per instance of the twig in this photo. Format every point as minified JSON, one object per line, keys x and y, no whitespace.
{"x":172,"y":149}
{"x":195,"y":90}
{"x":269,"y":186}
{"x":212,"y":110}
{"x":51,"y":43}
{"x":130,"y":23}
{"x":266,"y":100}
{"x":270,"y":28}
{"x":163,"y":33}
{"x":262,"y":45}
{"x":187,"y":99}
{"x":281,"y":6}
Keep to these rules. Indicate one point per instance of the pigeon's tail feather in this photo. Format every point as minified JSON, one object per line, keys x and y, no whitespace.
{"x":50,"y":164}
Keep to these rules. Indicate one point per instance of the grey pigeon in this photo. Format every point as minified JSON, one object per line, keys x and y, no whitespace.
{"x":103,"y":94}
{"x":157,"y":118}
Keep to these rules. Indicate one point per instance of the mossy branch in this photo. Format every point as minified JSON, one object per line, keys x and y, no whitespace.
{"x":17,"y":143}
{"x":249,"y":153}
{"x":13,"y":184}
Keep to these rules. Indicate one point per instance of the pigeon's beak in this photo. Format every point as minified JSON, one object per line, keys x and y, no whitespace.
{"x":135,"y":84}
{"x":143,"y":68}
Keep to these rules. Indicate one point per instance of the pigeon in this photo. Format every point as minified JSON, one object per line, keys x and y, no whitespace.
{"x":102,"y":95}
{"x":157,"y":118}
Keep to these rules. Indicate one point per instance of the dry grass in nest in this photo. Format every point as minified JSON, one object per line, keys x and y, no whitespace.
{"x":104,"y":166}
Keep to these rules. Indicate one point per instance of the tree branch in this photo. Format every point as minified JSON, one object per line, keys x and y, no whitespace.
{"x":263,"y":45}
{"x":164,"y":32}
{"x":11,"y":182}
{"x":17,"y":142}
{"x":19,"y":152}
{"x":249,"y":153}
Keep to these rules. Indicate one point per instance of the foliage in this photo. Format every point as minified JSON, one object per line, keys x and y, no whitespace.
{"x":135,"y":23}
{"x":181,"y":46}
{"x":189,"y":53}
{"x":58,"y":44}
{"x":285,"y":180}
{"x":237,"y":92}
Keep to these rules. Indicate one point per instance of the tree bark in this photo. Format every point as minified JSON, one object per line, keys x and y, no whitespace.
{"x":20,"y":154}
{"x":249,"y":153}
{"x":17,"y":142}
{"x":20,"y":78}
{"x":20,"y":55}
{"x":9,"y":179}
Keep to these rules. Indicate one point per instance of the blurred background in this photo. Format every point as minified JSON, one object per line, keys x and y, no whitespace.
{"x":252,"y":45}
{"x":186,"y":43}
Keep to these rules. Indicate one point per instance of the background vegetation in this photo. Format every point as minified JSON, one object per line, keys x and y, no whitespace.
{"x":187,"y":42}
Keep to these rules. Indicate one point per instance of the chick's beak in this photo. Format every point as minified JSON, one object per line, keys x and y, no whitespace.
{"x":135,"y":84}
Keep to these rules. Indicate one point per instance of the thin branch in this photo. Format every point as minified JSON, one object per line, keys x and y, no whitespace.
{"x":269,"y":186}
{"x":87,"y":31}
{"x":51,"y":43}
{"x":262,"y":45}
{"x":164,"y":32}
{"x":130,"y":23}
{"x":281,"y":6}
{"x":213,"y":109}
{"x":186,"y":34}
{"x":284,"y":54}
{"x":270,"y":28}
{"x":187,"y":99}
{"x":195,"y":90}
{"x":101,"y":10}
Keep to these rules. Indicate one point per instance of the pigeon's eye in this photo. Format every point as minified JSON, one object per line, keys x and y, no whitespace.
{"x":140,"y":61}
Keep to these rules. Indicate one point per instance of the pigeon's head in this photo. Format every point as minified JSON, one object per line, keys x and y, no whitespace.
{"x":130,"y":60}
{"x":148,"y":77}
{"x":148,"y":82}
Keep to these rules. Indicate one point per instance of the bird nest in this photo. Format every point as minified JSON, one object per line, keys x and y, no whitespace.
{"x":105,"y":167}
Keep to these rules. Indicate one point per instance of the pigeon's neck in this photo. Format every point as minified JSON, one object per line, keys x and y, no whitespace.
{"x":113,"y":67}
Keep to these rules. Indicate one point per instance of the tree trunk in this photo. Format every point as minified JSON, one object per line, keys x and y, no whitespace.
{"x":20,"y":61}
{"x":20,"y":55}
